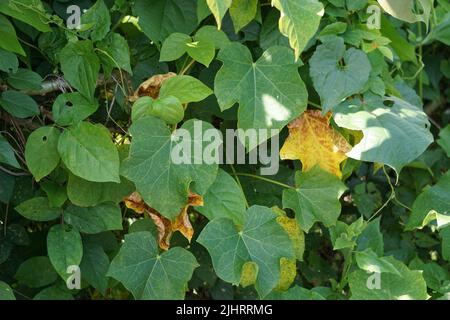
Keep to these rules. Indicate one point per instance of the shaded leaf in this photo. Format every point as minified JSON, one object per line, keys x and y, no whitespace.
{"x":41,"y":151}
{"x":103,"y":217}
{"x":316,"y":198}
{"x":162,"y":183}
{"x":38,"y":209}
{"x":88,"y":152}
{"x":64,"y":248}
{"x":338,"y":73}
{"x":148,"y":274}
{"x":261,"y":240}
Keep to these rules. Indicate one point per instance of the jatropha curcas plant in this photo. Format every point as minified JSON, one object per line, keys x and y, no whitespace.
{"x":211,"y":149}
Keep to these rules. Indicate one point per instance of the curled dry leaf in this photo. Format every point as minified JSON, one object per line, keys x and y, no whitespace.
{"x":151,"y":86}
{"x":165,"y":226}
{"x":314,"y":142}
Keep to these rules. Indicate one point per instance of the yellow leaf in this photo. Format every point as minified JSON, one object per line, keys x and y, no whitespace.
{"x":288,"y":272}
{"x":249,"y":274}
{"x":314,"y":142}
{"x":293,"y":230}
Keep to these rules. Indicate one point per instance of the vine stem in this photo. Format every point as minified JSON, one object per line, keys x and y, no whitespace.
{"x":240,"y":185}
{"x":186,"y":68}
{"x":314,"y":104}
{"x":266,"y":180}
{"x":420,"y":55}
{"x":15,"y":174}
{"x":392,"y":197}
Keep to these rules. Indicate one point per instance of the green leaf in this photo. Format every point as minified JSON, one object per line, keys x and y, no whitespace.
{"x":406,"y":285}
{"x":177,"y":44}
{"x":405,"y":50}
{"x":332,"y":29}
{"x":295,"y":293}
{"x":8,"y":62}
{"x":19,"y":104}
{"x":104,"y":217}
{"x":269,"y":91}
{"x":9,"y":40}
{"x":260,"y":240}
{"x":97,"y":16}
{"x":224,"y":199}
{"x":88,"y":152}
{"x":118,"y":53}
{"x":355,"y":5}
{"x":393,"y":135}
{"x":72,"y":108}
{"x":162,"y":183}
{"x":434,"y":200}
{"x":186,"y":88}
{"x":213,"y":35}
{"x":155,"y":276}
{"x":94,"y":266}
{"x":440,"y":32}
{"x":28,"y":11}
{"x":6,"y":293}
{"x":371,"y":238}
{"x":56,"y":193}
{"x":369,"y":261}
{"x":7,"y":183}
{"x":80,"y":66}
{"x":55,"y":292}
{"x":299,"y":21}
{"x":270,"y":34}
{"x":169,"y":109}
{"x":218,"y":9}
{"x":25,"y":79}
{"x":445,"y":235}
{"x":444,"y":139}
{"x":174,"y":47}
{"x":344,"y":236}
{"x":38,"y":209}
{"x":242,"y":12}
{"x":333,"y":81}
{"x":201,"y":51}
{"x":85,"y":193}
{"x":36,"y":272}
{"x":159,"y":18}
{"x":41,"y":151}
{"x":7,"y":154}
{"x":64,"y":248}
{"x":315,"y":199}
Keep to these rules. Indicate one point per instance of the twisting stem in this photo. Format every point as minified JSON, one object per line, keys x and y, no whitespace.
{"x":266,"y":180}
{"x":240,"y":185}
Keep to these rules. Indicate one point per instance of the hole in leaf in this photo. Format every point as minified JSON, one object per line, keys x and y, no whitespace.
{"x":44,"y":138}
{"x":69,"y":104}
{"x":388,"y":103}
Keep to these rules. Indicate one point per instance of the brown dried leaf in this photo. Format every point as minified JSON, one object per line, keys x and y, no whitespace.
{"x":135,"y":202}
{"x":165,"y":227}
{"x":151,"y":86}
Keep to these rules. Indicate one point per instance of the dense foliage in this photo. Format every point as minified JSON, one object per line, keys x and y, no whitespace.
{"x":90,"y":116}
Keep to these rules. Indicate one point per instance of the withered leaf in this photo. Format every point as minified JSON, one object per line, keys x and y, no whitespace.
{"x":151,"y":86}
{"x":314,"y":142}
{"x":165,"y":226}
